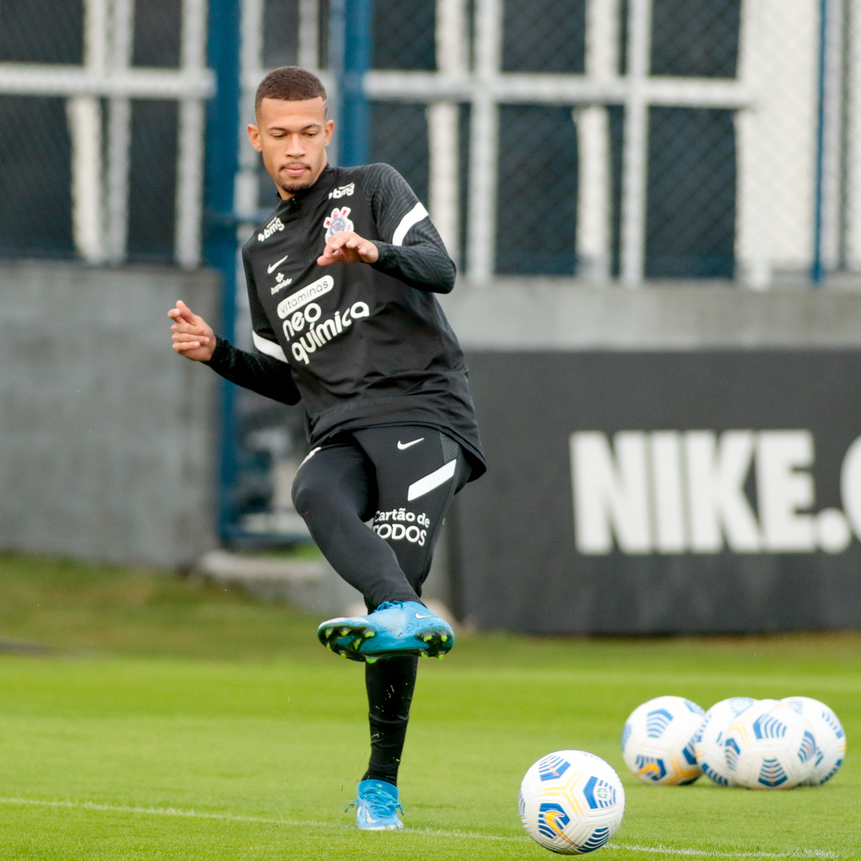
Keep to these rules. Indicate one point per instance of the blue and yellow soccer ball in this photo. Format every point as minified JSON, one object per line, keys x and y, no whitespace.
{"x":829,"y":735}
{"x":709,"y":745}
{"x":571,"y":802}
{"x":770,"y":746}
{"x":659,"y":738}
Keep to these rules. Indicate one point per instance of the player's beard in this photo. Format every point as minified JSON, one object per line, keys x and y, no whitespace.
{"x":292,"y":186}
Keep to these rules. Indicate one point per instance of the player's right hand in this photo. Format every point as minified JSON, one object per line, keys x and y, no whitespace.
{"x":192,"y":336}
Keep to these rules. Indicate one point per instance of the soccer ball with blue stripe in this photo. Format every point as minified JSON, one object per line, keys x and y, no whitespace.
{"x":709,"y":744}
{"x":658,"y":741}
{"x":829,"y":735}
{"x":769,"y":746}
{"x":571,"y":802}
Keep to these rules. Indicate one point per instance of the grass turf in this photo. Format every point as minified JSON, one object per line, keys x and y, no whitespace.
{"x":174,"y":720}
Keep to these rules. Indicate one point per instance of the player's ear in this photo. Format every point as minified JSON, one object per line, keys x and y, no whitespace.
{"x":327,"y":130}
{"x":254,"y":137}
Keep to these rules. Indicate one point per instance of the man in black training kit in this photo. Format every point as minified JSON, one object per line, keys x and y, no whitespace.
{"x":340,"y":282}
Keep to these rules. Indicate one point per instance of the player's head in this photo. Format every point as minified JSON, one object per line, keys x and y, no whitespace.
{"x":292,"y":130}
{"x":290,"y":84}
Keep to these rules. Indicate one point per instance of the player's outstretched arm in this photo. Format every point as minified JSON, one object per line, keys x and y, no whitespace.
{"x":192,"y":336}
{"x":348,"y":247}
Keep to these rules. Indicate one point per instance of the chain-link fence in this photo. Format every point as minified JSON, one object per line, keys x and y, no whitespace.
{"x":600,"y":139}
{"x":101,"y":128}
{"x":615,"y":139}
{"x":607,"y":141}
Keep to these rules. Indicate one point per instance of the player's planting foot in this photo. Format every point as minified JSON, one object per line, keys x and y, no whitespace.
{"x":397,"y":628}
{"x":377,"y":806}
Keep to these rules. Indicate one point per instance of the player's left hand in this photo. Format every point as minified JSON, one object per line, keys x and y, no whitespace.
{"x":348,"y":247}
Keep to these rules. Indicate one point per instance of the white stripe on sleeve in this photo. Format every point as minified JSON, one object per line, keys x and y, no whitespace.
{"x":414,"y":216}
{"x":309,"y":456}
{"x":269,"y":348}
{"x":431,"y":481}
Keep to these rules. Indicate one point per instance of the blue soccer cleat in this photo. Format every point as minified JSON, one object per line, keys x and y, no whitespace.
{"x":377,"y":806}
{"x":397,"y":628}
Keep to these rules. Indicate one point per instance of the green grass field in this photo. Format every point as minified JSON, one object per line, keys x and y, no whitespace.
{"x":169,"y":719}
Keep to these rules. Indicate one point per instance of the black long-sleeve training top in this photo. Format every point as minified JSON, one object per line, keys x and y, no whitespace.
{"x":358,"y":344}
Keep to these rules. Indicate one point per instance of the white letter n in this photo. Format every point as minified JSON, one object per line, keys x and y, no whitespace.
{"x":610,"y":492}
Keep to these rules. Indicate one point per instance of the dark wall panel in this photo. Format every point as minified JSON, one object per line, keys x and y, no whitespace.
{"x":737,"y":492}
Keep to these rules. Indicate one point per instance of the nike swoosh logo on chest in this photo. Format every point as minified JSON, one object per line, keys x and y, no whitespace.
{"x":274,"y":266}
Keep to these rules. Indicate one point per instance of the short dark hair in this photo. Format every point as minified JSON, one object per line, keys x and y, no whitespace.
{"x":290,"y":84}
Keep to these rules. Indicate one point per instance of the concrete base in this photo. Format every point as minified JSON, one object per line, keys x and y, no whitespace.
{"x":564,"y":314}
{"x":310,"y":584}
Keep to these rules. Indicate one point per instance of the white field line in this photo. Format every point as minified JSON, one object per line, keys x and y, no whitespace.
{"x":434,"y":832}
{"x":704,"y":853}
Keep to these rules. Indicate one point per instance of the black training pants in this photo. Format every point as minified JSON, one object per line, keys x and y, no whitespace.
{"x":403,"y":479}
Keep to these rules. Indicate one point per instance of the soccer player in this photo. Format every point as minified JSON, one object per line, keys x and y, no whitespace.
{"x":341,"y":281}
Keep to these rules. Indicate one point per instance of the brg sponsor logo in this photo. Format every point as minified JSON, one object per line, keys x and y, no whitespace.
{"x":273,"y":227}
{"x":700,"y":491}
{"x":342,"y":191}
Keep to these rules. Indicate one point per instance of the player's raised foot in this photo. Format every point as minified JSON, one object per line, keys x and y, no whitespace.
{"x":394,"y":628}
{"x":377,"y":806}
{"x":344,"y":634}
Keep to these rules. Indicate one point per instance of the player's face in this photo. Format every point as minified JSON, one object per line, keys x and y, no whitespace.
{"x":292,"y":136}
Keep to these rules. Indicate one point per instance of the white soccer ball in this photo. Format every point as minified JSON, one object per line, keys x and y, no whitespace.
{"x":709,"y":743}
{"x":658,"y":741}
{"x":571,"y":802}
{"x":829,"y":735}
{"x":769,"y":746}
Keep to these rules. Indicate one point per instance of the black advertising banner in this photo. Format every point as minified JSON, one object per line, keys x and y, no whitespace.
{"x":636,"y":492}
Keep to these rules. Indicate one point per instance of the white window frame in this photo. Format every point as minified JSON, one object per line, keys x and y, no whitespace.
{"x":100,"y":175}
{"x":486,"y":87}
{"x":771,"y":112}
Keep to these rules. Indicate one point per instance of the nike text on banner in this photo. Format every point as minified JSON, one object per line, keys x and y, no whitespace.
{"x":431,"y":481}
{"x":414,"y":216}
{"x":269,"y":348}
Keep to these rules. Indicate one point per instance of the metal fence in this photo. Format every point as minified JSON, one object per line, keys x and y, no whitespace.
{"x":101,"y":128}
{"x":635,"y":139}
{"x":599,"y":139}
{"x":609,"y":141}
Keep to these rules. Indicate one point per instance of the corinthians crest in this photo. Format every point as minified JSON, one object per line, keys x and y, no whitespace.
{"x":338,"y":221}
